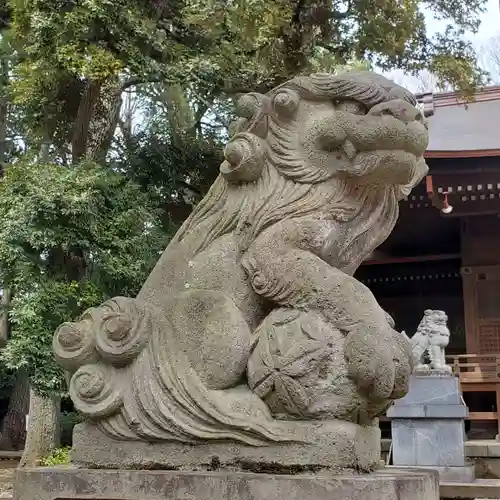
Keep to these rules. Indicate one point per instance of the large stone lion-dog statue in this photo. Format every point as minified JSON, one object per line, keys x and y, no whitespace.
{"x":251,"y":332}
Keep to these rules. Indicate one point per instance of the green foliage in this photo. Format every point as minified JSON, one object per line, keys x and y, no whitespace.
{"x":60,"y":456}
{"x":49,"y":212}
{"x":69,"y":239}
{"x":61,"y":45}
{"x":176,"y":171}
{"x":260,"y":41}
{"x":214,"y":48}
{"x":35,"y":315}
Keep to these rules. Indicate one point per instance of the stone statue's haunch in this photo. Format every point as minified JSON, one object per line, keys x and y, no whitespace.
{"x":251,"y":337}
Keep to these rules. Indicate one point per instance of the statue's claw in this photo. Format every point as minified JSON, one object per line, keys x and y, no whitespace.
{"x":379,"y":361}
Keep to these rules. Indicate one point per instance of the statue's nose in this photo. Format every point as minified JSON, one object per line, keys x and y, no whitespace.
{"x":399,"y":109}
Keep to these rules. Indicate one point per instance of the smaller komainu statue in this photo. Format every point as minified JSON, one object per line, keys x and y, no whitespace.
{"x":252,"y":338}
{"x":431,"y":338}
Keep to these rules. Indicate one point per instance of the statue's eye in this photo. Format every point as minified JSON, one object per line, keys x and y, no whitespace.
{"x":353,"y":107}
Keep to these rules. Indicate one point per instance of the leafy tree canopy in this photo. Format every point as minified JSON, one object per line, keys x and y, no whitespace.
{"x":69,"y":238}
{"x":214,"y":47}
{"x":256,"y":43}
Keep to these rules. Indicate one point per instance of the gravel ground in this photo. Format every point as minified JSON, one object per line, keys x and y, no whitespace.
{"x":5,"y":482}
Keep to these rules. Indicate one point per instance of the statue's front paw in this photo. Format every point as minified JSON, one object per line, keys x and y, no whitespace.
{"x":379,"y":361}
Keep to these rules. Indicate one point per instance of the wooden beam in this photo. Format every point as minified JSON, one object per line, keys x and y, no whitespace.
{"x":477,"y":153}
{"x":417,"y":258}
{"x":482,"y":415}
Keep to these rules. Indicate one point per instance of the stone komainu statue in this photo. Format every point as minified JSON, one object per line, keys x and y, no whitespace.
{"x":431,"y":338}
{"x":251,"y":328}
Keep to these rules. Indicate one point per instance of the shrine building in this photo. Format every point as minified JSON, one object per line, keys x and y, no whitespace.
{"x":444,"y":252}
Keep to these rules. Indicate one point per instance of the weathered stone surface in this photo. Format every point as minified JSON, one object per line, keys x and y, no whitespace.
{"x":428,"y":411}
{"x":480,"y":489}
{"x":356,"y":447}
{"x":84,"y":484}
{"x":432,"y":390}
{"x":428,"y":442}
{"x":251,"y":330}
{"x":453,"y":474}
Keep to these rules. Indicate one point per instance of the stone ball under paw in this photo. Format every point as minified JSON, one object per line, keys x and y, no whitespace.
{"x":297,"y":367}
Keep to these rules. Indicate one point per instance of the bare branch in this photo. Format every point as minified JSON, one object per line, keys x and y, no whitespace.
{"x":490,"y":58}
{"x":133,"y":81}
{"x":207,"y":103}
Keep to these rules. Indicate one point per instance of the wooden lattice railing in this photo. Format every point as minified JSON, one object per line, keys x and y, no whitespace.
{"x":479,"y":373}
{"x":476,"y":368}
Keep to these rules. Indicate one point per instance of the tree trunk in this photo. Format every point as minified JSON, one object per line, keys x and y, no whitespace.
{"x":7,"y":294}
{"x":43,"y":428}
{"x":79,"y":140}
{"x":14,"y":422}
{"x":4,"y":315}
{"x":104,"y":120}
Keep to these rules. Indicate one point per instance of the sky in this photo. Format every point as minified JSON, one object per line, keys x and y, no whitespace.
{"x":490,"y":23}
{"x":490,"y":27}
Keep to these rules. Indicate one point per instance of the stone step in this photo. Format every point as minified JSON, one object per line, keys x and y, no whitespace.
{"x":480,"y":489}
{"x":10,"y":455}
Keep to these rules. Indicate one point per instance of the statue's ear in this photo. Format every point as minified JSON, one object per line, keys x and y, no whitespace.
{"x":253,"y":110}
{"x":244,"y":158}
{"x":285,"y":103}
{"x":244,"y":153}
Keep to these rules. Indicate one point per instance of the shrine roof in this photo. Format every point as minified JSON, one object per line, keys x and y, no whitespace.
{"x":461,"y":128}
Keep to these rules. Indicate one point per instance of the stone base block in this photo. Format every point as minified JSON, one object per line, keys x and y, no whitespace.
{"x":428,"y":442}
{"x":432,"y":390}
{"x":334,"y":445}
{"x":428,"y":424}
{"x":87,"y":484}
{"x":464,"y":474}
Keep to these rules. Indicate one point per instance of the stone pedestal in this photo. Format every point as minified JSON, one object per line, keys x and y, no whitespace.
{"x":333,"y":445}
{"x":428,"y":427}
{"x":86,"y":484}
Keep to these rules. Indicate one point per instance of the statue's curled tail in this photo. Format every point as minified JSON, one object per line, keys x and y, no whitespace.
{"x":159,"y":396}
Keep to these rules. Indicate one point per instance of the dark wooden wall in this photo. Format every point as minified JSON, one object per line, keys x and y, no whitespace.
{"x":481,"y":282}
{"x":406,"y":290}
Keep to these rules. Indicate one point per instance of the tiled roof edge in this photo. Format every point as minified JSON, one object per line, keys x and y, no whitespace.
{"x":491,"y":93}
{"x":430,"y":100}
